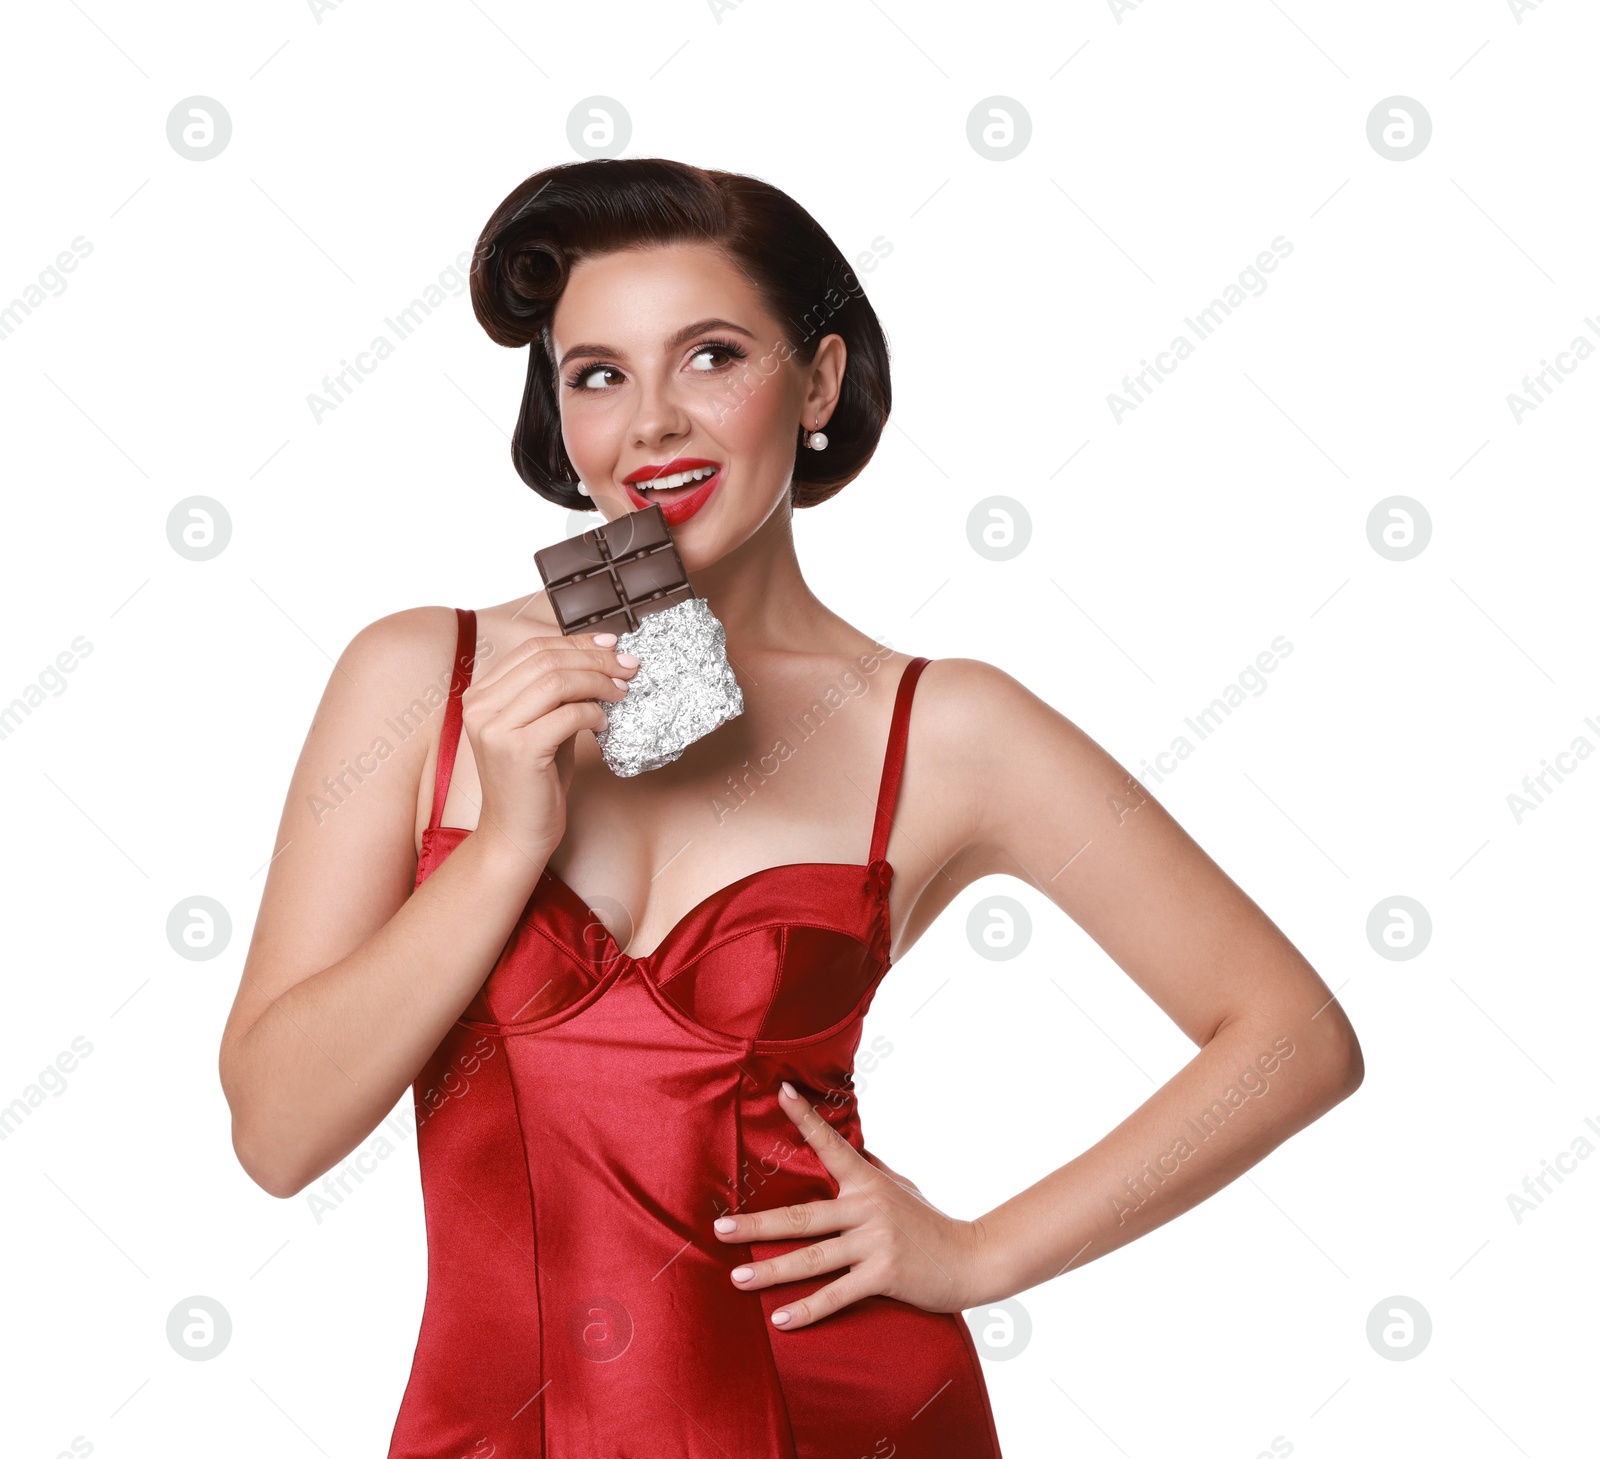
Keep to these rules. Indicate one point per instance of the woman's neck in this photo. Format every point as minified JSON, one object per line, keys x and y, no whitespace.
{"x":759,"y":594}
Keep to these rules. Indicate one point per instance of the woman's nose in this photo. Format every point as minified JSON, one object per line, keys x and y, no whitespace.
{"x":658,"y":416}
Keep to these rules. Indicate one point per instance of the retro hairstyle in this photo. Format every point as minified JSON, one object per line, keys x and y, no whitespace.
{"x":579,"y":209}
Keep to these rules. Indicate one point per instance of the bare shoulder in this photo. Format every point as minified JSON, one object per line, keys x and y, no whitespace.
{"x":387,"y":685}
{"x":397,"y":671}
{"x":998,"y":753}
{"x":397,"y":647}
{"x":956,"y":697}
{"x":973,"y":713}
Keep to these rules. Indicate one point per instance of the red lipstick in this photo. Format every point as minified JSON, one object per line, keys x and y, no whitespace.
{"x":679,"y":503}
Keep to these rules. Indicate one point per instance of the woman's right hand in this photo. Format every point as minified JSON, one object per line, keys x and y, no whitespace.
{"x":521,"y":719}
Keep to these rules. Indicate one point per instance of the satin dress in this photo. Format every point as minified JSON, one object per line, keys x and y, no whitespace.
{"x":589,"y":1116}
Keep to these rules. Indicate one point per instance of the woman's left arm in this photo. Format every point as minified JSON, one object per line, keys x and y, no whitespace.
{"x":1039,"y":799}
{"x":1275,"y":1049}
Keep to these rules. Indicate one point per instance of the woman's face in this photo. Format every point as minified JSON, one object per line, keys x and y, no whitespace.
{"x":666,"y":358}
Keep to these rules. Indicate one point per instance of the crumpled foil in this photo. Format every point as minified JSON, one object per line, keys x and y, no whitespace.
{"x":682,"y":690}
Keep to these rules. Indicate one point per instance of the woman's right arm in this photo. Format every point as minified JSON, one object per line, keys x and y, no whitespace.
{"x":352,"y":979}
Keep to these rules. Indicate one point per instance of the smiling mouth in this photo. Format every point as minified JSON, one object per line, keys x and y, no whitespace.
{"x":679,"y":495}
{"x":673,"y":488}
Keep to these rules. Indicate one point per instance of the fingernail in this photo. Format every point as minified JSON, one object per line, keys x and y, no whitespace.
{"x":620,"y":683}
{"x":788,"y":1089}
{"x":628,"y":661}
{"x":780,"y":1318}
{"x":605,"y":640}
{"x":725,"y":1223}
{"x":742,"y":1273}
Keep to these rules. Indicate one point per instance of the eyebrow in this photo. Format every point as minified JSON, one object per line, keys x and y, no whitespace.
{"x":688,"y":332}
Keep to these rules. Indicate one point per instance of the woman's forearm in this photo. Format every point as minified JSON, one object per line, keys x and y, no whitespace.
{"x":1252,"y":1086}
{"x":326,"y":1061}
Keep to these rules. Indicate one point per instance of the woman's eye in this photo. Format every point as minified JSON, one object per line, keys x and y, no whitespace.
{"x":710,"y":349}
{"x":583,"y":380}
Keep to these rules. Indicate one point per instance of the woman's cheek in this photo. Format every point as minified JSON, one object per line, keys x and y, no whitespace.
{"x":590,"y":434}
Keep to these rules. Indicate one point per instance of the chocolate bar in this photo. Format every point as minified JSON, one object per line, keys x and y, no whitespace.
{"x":625,"y":577}
{"x":607,"y":579}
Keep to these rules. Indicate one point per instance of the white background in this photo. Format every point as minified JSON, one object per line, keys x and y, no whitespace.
{"x":1169,"y":147}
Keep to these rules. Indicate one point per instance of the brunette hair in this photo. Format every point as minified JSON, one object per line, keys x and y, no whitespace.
{"x":576,"y":210}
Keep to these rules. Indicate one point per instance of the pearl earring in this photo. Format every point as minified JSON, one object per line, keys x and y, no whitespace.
{"x":583,"y":490}
{"x":816,"y":440}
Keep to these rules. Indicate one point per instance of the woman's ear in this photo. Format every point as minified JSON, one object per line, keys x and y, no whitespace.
{"x":827,"y":380}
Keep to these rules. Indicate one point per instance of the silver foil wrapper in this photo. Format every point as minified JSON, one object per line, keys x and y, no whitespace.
{"x":682,"y":690}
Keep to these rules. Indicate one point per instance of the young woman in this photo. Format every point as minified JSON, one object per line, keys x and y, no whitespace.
{"x":629,"y":1007}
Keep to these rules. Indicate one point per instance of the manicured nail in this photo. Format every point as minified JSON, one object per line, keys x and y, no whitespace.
{"x":788,"y":1089}
{"x":780,"y":1318}
{"x":620,"y":683}
{"x":742,"y":1273}
{"x":605,"y":640}
{"x":725,"y":1224}
{"x":628,"y":661}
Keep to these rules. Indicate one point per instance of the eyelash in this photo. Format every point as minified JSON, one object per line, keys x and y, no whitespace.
{"x":727,"y":346}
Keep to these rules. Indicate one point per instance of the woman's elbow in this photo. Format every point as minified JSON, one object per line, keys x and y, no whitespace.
{"x":253,"y":1146}
{"x":275,"y":1176}
{"x":1337,"y":1058}
{"x":1355,"y":1066}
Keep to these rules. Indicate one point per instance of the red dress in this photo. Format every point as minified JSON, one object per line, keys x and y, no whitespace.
{"x":584,"y":1122}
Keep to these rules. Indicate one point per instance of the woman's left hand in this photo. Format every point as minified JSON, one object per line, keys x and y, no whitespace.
{"x":891,"y":1237}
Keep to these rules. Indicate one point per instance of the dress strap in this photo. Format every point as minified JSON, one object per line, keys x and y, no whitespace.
{"x":893,"y":759}
{"x":450,"y":731}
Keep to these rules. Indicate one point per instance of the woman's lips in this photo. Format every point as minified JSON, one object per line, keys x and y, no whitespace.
{"x":679,"y":505}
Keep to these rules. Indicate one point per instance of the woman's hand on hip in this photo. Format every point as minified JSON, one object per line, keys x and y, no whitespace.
{"x":892,"y":1239}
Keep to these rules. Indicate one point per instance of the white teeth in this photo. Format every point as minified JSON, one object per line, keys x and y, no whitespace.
{"x":682,"y":478}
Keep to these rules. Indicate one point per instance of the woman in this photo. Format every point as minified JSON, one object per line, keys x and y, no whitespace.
{"x":654,"y":1229}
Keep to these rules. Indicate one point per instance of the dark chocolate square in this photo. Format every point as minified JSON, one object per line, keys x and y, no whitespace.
{"x":607,"y":579}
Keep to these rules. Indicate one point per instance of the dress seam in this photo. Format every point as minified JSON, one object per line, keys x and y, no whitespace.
{"x":766,"y":1326}
{"x":538,"y":1271}
{"x":776,"y":990}
{"x":969,"y":1347}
